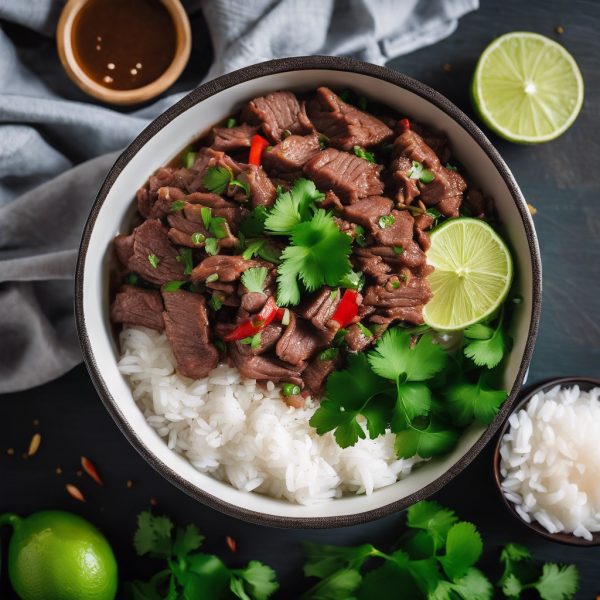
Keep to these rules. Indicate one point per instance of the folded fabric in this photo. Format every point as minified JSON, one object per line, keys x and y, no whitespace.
{"x":49,"y":129}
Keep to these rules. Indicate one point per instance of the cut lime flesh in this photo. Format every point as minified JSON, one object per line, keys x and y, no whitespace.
{"x":527,"y":88}
{"x":473,"y":273}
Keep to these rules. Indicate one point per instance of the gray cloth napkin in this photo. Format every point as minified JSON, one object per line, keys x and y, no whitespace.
{"x":56,"y":144}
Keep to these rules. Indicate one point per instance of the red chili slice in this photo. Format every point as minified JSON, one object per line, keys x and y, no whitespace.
{"x":404,"y":125}
{"x":347,"y":310}
{"x":256,"y":149}
{"x":254,"y":324}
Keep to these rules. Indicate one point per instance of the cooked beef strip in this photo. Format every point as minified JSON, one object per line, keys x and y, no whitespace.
{"x":405,"y":189}
{"x":138,"y":306}
{"x":412,"y":314}
{"x":291,"y":154}
{"x":423,"y":239}
{"x":207,"y":157}
{"x":367,"y":212}
{"x":151,"y":237}
{"x":276,"y":112}
{"x":423,"y":222}
{"x":228,"y":139}
{"x":262,"y":190}
{"x":319,"y":306}
{"x":301,"y":341}
{"x":415,"y":292}
{"x":207,"y":199}
{"x":357,"y":341}
{"x":373,"y":266}
{"x":186,"y":324}
{"x":264,"y":368}
{"x":227,"y":267}
{"x":317,"y":372}
{"x":253,"y":301}
{"x":269,"y":337}
{"x":345,"y":125}
{"x":347,"y":175}
{"x":412,"y":255}
{"x":124,"y":248}
{"x":435,"y":139}
{"x":331,"y":202}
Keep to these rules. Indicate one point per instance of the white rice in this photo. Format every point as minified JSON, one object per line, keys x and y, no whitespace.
{"x":247,"y":436}
{"x":550,"y":461}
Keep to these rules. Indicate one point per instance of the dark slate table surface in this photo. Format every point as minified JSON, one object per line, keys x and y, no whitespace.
{"x":561,"y":179}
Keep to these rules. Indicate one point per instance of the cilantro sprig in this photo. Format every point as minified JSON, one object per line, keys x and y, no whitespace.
{"x":254,"y":279}
{"x":218,"y":179}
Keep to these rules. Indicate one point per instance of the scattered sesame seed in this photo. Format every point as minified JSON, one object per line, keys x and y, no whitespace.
{"x":11,"y":451}
{"x":79,"y":473}
{"x":75,"y":492}
{"x":36,"y":422}
{"x":231,"y":543}
{"x":129,"y":483}
{"x":98,"y":47}
{"x":99,"y":38}
{"x":58,"y":471}
{"x":111,"y":66}
{"x":133,"y":71}
{"x":559,"y":30}
{"x":138,"y":66}
{"x":107,"y":79}
{"x":532,"y":209}
{"x":34,"y":444}
{"x":446,"y":67}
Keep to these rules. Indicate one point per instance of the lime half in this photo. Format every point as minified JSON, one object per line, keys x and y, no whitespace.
{"x":473,"y":273}
{"x":527,"y":88}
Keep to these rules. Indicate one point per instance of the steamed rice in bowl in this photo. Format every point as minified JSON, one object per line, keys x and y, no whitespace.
{"x":244,"y":434}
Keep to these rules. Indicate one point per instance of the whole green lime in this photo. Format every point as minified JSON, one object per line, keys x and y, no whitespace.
{"x":55,"y":555}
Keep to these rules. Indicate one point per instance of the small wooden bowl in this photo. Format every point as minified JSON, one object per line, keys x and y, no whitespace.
{"x":585,"y":384}
{"x":88,"y":85}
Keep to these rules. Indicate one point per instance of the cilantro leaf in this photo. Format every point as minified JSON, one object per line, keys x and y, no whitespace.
{"x":253,"y":224}
{"x":393,"y":358}
{"x":478,"y":332}
{"x":186,"y":541}
{"x":463,"y":549}
{"x":292,"y":208}
{"x":323,"y":560}
{"x":433,"y":440}
{"x":352,"y":280}
{"x":512,"y":587}
{"x":361,"y":153}
{"x":385,"y":582}
{"x":243,"y":185}
{"x":474,"y":585}
{"x":517,"y":559}
{"x":187,"y":257}
{"x":256,"y":581}
{"x":211,"y":246}
{"x":140,"y":590}
{"x":354,"y":391}
{"x":488,"y":351}
{"x":202,"y":576}
{"x":317,"y":255}
{"x":429,"y":516}
{"x":336,"y":587}
{"x":217,"y":179}
{"x":558,"y":582}
{"x":254,"y":279}
{"x":465,"y":400}
{"x":153,"y":535}
{"x":515,"y":552}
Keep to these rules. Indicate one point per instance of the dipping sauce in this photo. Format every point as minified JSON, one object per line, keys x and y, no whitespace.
{"x":124,"y":44}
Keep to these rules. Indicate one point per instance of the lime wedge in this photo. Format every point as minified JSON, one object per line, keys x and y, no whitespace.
{"x":527,"y":88}
{"x":473,"y":273}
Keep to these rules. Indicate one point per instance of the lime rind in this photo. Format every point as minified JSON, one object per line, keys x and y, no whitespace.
{"x":472,"y":277}
{"x":538,"y":61}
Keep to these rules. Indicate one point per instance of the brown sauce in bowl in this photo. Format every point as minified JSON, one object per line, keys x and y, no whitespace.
{"x":124,"y":44}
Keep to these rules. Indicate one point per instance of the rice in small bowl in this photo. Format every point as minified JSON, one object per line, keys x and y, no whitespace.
{"x":318,"y":489}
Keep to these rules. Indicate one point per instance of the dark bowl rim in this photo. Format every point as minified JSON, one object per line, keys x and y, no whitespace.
{"x":566,"y":539}
{"x":207,"y":90}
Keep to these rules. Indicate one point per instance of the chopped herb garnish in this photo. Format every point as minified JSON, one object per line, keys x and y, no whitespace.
{"x":386,"y":221}
{"x":188,"y":159}
{"x":253,"y":224}
{"x":198,"y":238}
{"x":487,"y":345}
{"x":186,"y":255}
{"x":435,"y":214}
{"x":352,"y":280}
{"x":323,"y":141}
{"x":243,"y":185}
{"x":206,"y":216}
{"x":339,"y":340}
{"x":172,"y":286}
{"x":285,"y":320}
{"x":211,"y":246}
{"x":289,"y":389}
{"x":366,"y":332}
{"x":216,"y":302}
{"x":253,"y":341}
{"x":404,"y":277}
{"x":360,"y":236}
{"x":217,"y":229}
{"x":217,"y":179}
{"x":231,"y":123}
{"x":220,"y":346}
{"x":364,"y":154}
{"x":177,"y":205}
{"x":362,"y":103}
{"x":286,"y":134}
{"x":211,"y":278}
{"x":154,"y":260}
{"x":450,"y":167}
{"x":398,"y":249}
{"x":329,"y":354}
{"x":254,"y":279}
{"x":334,"y":294}
{"x":419,"y":172}
{"x":269,"y":148}
{"x":395,"y":284}
{"x":465,"y":211}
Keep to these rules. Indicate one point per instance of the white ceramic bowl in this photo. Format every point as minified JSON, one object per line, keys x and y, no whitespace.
{"x":180,"y":125}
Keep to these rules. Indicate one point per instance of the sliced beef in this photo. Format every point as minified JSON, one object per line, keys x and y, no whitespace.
{"x":207,"y":157}
{"x":415,"y":292}
{"x":345,"y":125}
{"x":435,"y":139}
{"x":207,"y":199}
{"x":331,"y":202}
{"x":228,"y":268}
{"x":124,"y":248}
{"x":253,"y":301}
{"x":262,"y":190}
{"x":138,"y":306}
{"x":186,"y":324}
{"x":424,"y":221}
{"x":347,"y":175}
{"x":423,"y":239}
{"x":320,"y":306}
{"x":373,"y":266}
{"x":276,"y":112}
{"x":411,"y":255}
{"x":269,"y":337}
{"x":228,"y":139}
{"x":404,"y":188}
{"x":412,"y":314}
{"x":317,"y":372}
{"x":357,"y":341}
{"x":291,"y":154}
{"x":301,"y":341}
{"x":368,"y":211}
{"x":264,"y":368}
{"x":151,"y":238}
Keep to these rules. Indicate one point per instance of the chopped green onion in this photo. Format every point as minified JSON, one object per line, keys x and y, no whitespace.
{"x":375,"y":328}
{"x":198,"y":238}
{"x":211,"y":278}
{"x":154,"y":260}
{"x":323,"y":140}
{"x":427,"y":176}
{"x":215,"y":302}
{"x":366,"y":332}
{"x":286,"y":134}
{"x":177,"y":205}
{"x":360,"y":236}
{"x":289,"y":389}
{"x":244,"y":186}
{"x":219,"y":345}
{"x":334,"y":294}
{"x":286,"y":317}
{"x":420,"y":173}
{"x":211,"y":246}
{"x":206,"y":216}
{"x":253,"y":340}
{"x":216,"y":227}
{"x":386,"y":221}
{"x":398,"y":249}
{"x":395,"y":284}
{"x":231,"y":123}
{"x":364,"y":154}
{"x":339,"y":340}
{"x":186,"y":255}
{"x":188,"y":159}
{"x":269,"y":148}
{"x":362,"y":103}
{"x":329,"y":354}
{"x":451,"y":168}
{"x":172,"y":286}
{"x":404,"y":277}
